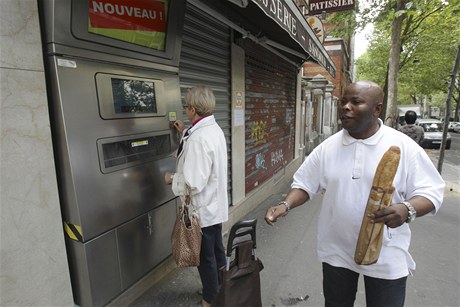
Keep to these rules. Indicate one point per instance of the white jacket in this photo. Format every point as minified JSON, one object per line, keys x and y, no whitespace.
{"x":202,"y":164}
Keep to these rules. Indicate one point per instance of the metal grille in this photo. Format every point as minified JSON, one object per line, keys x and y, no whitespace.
{"x":270,"y":114}
{"x":205,"y":59}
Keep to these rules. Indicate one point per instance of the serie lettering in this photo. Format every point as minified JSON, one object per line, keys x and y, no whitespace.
{"x":282,"y":13}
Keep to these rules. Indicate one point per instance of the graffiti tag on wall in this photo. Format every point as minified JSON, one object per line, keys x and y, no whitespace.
{"x":258,"y":132}
{"x":260,"y":161}
{"x":277,"y":156}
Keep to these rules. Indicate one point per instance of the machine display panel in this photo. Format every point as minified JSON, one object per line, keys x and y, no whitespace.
{"x":138,"y":22}
{"x":127,"y":97}
{"x":133,"y":96}
{"x":124,"y":31}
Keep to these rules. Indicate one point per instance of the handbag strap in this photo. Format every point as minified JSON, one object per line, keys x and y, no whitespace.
{"x":188,"y":195}
{"x":188,"y":201}
{"x":187,"y":205}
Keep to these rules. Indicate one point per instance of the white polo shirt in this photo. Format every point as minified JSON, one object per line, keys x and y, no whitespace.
{"x":343,"y":168}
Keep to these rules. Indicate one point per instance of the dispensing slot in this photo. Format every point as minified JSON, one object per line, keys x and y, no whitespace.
{"x":118,"y":153}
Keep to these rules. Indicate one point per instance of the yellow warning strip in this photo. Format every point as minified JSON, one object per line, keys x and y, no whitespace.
{"x":73,"y":231}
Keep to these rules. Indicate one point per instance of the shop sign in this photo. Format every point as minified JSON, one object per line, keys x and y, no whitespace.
{"x":317,"y":26}
{"x":316,"y":7}
{"x":137,"y":21}
{"x":282,"y":14}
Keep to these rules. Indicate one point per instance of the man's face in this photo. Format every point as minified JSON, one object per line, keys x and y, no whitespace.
{"x":359,"y":109}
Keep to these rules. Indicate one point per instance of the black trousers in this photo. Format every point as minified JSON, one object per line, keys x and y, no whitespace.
{"x":212,"y":258}
{"x":340,"y":286}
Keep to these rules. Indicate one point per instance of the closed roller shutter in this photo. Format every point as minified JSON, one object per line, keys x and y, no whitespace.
{"x":270,"y":113}
{"x":205,"y":59}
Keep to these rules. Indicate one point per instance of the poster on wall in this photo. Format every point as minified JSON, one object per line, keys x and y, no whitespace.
{"x":140,"y":22}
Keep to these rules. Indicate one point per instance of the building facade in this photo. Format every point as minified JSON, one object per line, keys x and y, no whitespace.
{"x":85,"y":216}
{"x":322,"y":90}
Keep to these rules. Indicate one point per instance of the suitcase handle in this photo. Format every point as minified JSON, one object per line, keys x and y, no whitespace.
{"x":241,"y":229}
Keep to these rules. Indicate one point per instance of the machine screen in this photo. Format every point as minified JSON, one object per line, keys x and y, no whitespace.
{"x":133,"y":96}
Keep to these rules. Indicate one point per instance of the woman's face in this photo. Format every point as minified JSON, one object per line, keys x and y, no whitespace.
{"x":359,"y":110}
{"x":188,"y":112}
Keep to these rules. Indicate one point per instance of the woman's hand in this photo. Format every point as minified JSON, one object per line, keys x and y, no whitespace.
{"x":168,"y":177}
{"x":179,"y":125}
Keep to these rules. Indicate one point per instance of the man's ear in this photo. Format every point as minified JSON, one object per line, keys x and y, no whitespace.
{"x":378,"y":108}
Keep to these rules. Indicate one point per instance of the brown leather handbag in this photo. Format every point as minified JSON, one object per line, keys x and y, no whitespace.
{"x":186,"y":235}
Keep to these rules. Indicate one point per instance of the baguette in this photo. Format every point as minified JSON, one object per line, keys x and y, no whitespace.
{"x":386,"y":170}
{"x":371,"y":234}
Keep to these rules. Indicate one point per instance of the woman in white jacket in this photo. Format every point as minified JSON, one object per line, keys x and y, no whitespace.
{"x":202,"y":164}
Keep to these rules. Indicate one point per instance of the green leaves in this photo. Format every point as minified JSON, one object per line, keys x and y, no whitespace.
{"x":430,"y":36}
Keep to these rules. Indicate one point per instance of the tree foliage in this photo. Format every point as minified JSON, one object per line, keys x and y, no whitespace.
{"x":429,"y":38}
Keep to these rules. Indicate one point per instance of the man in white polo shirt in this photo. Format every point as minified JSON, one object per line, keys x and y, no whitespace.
{"x":342,"y":168}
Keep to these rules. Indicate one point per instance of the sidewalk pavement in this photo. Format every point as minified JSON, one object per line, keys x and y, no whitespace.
{"x":450,"y":172}
{"x":276,"y":250}
{"x":292,"y":275}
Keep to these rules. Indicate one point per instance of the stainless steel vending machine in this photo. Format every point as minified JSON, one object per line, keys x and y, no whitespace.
{"x":112,"y":79}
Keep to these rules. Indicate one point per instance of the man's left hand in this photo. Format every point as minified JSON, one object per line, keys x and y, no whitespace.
{"x":392,"y":216}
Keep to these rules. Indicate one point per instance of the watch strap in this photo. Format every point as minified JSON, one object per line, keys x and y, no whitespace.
{"x":411,"y":211}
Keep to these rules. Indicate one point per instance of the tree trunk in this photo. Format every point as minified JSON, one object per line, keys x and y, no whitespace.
{"x":446,"y":117}
{"x":393,"y":66}
{"x":457,"y":101}
{"x":385,"y":95}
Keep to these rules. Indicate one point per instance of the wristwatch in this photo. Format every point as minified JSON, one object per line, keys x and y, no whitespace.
{"x":412,"y":213}
{"x":284,"y":203}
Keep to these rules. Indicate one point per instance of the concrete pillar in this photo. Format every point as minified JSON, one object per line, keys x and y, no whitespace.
{"x":33,"y":267}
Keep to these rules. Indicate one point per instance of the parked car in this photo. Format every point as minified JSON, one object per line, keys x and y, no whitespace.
{"x":433,"y":133}
{"x":454,"y":126}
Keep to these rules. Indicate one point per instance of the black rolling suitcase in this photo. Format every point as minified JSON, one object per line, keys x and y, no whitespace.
{"x":240,"y":278}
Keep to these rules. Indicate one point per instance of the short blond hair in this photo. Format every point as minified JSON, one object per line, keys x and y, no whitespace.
{"x":202,"y":99}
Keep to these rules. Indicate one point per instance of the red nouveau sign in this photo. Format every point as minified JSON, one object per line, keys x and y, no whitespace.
{"x":140,"y":15}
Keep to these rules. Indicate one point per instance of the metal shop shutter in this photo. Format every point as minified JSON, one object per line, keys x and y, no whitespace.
{"x":270,"y":113}
{"x":205,"y":59}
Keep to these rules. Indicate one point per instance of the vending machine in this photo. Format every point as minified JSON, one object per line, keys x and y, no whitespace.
{"x":112,"y":78}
